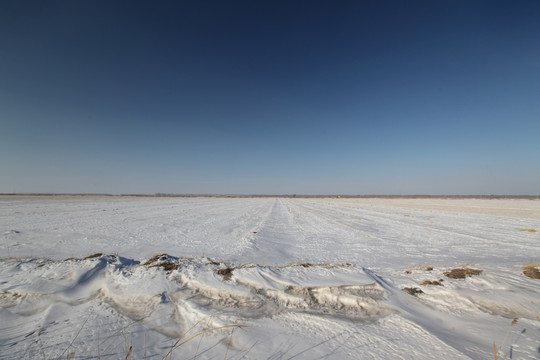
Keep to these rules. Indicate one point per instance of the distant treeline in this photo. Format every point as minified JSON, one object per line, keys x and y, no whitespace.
{"x":290,"y":196}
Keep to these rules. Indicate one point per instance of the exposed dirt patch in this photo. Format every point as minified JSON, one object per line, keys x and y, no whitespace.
{"x":227,"y":273}
{"x":433,"y":282}
{"x":96,"y":255}
{"x":528,"y":230}
{"x":154,"y":259}
{"x":306,"y":265}
{"x":167,"y":266}
{"x":462,"y":273}
{"x":165,"y":261}
{"x":413,"y":291}
{"x":531,"y":270}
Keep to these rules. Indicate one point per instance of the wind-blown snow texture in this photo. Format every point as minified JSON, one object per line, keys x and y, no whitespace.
{"x":309,"y":278}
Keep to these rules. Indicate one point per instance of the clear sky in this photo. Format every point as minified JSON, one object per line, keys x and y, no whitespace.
{"x":270,"y":97}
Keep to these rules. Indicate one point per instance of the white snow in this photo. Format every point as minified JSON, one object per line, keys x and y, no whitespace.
{"x":308,"y":278}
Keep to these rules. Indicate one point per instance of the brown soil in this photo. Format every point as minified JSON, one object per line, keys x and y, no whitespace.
{"x":528,"y":230}
{"x":462,"y":273}
{"x":434,"y":282}
{"x":413,"y":291}
{"x":167,"y":266}
{"x":531,"y":270}
{"x":153,"y":259}
{"x":227,"y":273}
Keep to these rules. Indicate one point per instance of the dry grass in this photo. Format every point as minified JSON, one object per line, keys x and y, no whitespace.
{"x":96,"y":255}
{"x":227,"y":273}
{"x":531,"y":271}
{"x":163,"y":261}
{"x":528,"y":230}
{"x":462,"y":273}
{"x":154,"y":259}
{"x":413,"y":291}
{"x":167,"y":266}
{"x":433,"y":282}
{"x":495,"y":351}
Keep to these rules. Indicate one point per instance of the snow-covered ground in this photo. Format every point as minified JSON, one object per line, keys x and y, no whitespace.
{"x":268,"y":278}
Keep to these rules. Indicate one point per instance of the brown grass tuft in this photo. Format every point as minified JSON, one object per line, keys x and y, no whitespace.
{"x":530,"y":270}
{"x":462,"y":273}
{"x":167,"y":266}
{"x":413,"y":291}
{"x":528,"y":230}
{"x":153,"y":259}
{"x":434,"y":282}
{"x":227,"y":273}
{"x":96,"y":255}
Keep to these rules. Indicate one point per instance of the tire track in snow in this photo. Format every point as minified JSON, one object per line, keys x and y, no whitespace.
{"x":414,"y":237}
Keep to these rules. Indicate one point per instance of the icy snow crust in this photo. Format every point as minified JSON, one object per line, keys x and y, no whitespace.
{"x":297,"y":278}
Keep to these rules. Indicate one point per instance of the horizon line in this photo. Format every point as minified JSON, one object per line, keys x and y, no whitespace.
{"x":393,"y":196}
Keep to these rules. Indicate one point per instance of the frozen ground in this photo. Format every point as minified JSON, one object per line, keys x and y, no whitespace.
{"x":280,"y":278}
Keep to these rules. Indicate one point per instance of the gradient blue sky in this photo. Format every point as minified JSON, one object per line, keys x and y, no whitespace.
{"x":270,"y":97}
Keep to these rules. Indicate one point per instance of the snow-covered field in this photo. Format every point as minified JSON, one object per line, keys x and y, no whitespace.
{"x":268,"y":278}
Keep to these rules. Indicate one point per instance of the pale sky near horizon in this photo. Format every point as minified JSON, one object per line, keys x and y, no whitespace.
{"x":270,"y":97}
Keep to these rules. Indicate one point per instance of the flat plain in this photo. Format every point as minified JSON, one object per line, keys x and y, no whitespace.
{"x":278,"y":278}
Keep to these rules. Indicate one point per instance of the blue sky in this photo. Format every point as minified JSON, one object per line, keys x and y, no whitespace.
{"x":270,"y":97}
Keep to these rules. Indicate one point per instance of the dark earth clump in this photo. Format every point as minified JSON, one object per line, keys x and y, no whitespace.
{"x":462,"y":273}
{"x":531,"y":271}
{"x":434,"y":282}
{"x":227,"y":273}
{"x":154,"y":259}
{"x":167,"y":266}
{"x":413,"y":291}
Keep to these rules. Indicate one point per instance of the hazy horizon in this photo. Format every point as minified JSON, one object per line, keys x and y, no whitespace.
{"x":283,"y":97}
